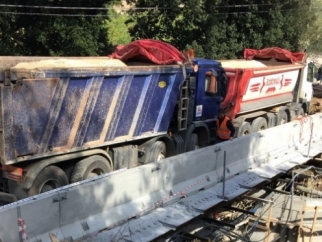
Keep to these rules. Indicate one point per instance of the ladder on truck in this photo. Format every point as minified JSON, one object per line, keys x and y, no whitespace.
{"x":183,"y":106}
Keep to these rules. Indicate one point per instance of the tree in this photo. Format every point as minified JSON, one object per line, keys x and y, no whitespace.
{"x":315,"y":30}
{"x":45,"y":31}
{"x":177,"y":22}
{"x":117,"y":29}
{"x":10,"y":34}
{"x":225,"y":28}
{"x":215,"y":28}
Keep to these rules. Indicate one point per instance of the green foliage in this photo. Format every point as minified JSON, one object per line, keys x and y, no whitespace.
{"x":315,"y":43}
{"x":117,"y":29}
{"x":224,"y":28}
{"x":35,"y":33}
{"x":11,"y":36}
{"x":214,"y":28}
{"x":197,"y":49}
{"x":169,"y":23}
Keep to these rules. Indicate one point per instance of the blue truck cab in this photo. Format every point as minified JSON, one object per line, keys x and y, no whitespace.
{"x":208,"y":89}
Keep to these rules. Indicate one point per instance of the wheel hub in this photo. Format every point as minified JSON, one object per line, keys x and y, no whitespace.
{"x":48,"y":186}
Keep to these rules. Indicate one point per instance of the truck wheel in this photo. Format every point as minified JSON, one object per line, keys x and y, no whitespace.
{"x":244,"y":129}
{"x":90,"y":167}
{"x":259,"y":124}
{"x":282,"y":118}
{"x":193,"y":143}
{"x":157,"y":151}
{"x":51,"y":177}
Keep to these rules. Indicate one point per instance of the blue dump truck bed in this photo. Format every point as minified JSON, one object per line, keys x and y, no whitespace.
{"x":61,"y":105}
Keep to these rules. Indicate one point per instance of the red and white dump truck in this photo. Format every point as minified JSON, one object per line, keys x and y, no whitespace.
{"x":269,"y":90}
{"x":63,"y":120}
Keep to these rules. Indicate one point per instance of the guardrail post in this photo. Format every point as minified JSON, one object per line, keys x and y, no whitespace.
{"x":224,"y":177}
{"x":309,"y":149}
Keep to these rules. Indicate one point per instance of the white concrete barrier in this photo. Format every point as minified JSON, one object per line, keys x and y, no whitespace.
{"x":9,"y":230}
{"x":79,"y":210}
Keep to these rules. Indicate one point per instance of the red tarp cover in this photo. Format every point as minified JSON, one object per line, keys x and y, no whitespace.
{"x":155,"y":51}
{"x":274,"y":52}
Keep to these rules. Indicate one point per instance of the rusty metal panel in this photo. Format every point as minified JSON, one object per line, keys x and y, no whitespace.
{"x":29,"y":107}
{"x":7,"y":120}
{"x":1,"y":130}
{"x":46,"y":116}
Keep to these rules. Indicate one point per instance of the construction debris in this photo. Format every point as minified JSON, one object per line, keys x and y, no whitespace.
{"x":285,"y":210}
{"x":316,"y":105}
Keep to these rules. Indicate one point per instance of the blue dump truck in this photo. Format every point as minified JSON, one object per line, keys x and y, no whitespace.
{"x":64,"y":120}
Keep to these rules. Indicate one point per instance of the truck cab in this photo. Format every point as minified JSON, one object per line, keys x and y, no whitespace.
{"x":303,"y":92}
{"x":209,"y":89}
{"x":200,"y":99}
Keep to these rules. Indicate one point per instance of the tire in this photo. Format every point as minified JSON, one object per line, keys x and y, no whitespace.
{"x":244,"y":129}
{"x":50,"y":178}
{"x":282,"y":118}
{"x":259,"y":124}
{"x":157,"y":151}
{"x":90,"y":167}
{"x":193,"y":142}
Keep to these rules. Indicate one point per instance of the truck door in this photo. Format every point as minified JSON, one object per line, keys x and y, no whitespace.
{"x":208,"y":97}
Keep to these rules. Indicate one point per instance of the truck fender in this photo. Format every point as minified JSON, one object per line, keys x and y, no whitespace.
{"x":37,"y":167}
{"x":169,"y":144}
{"x":167,"y":141}
{"x":203,"y":133}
